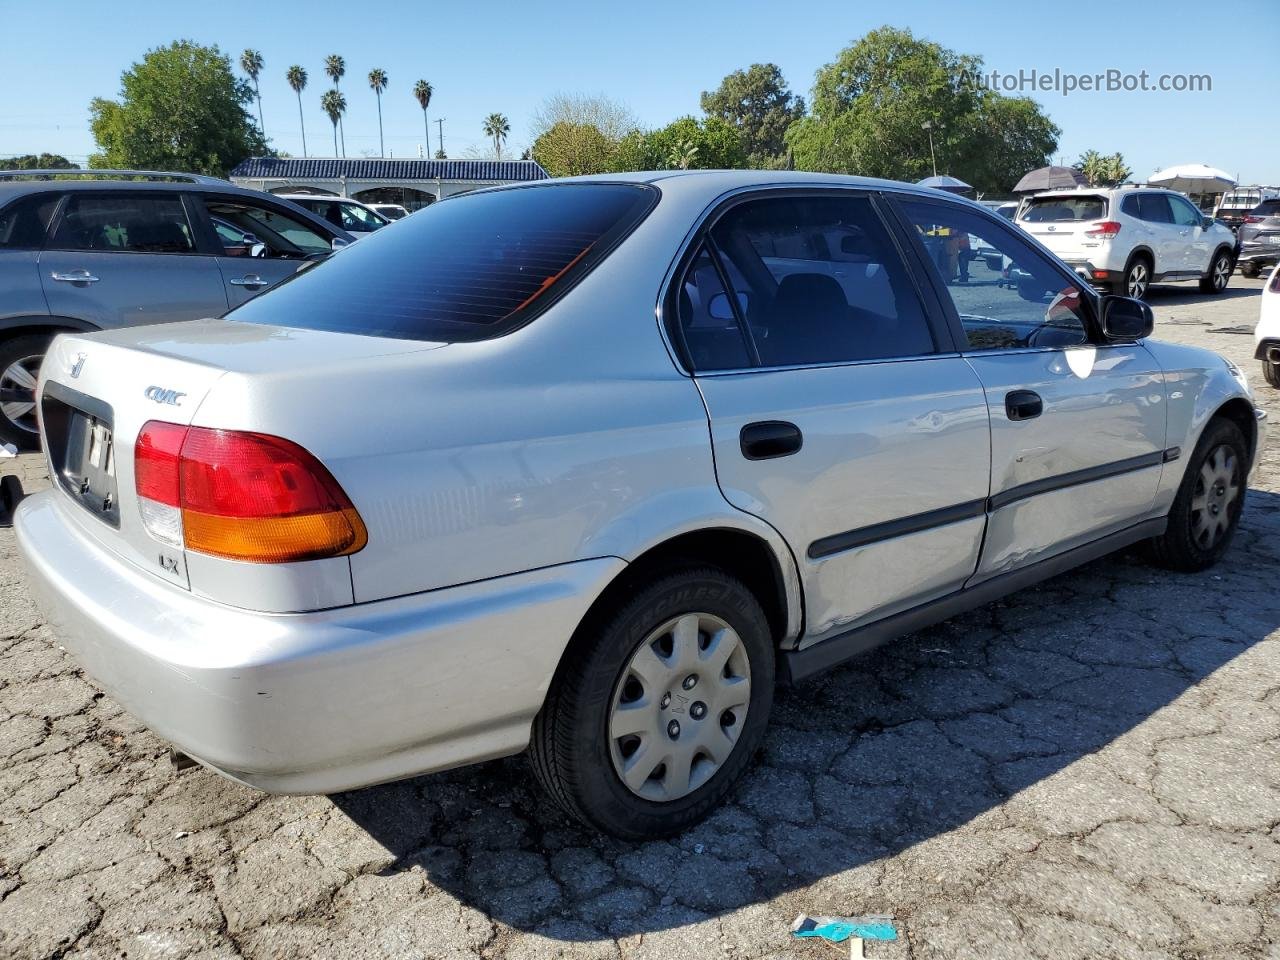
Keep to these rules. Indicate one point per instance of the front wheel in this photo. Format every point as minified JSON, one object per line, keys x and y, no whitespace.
{"x":657,"y":710}
{"x":1206,"y":510}
{"x":1215,"y":281}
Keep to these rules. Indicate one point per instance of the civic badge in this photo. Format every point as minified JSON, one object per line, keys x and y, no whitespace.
{"x":78,"y":365}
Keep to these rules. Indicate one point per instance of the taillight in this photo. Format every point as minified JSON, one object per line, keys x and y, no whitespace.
{"x":1250,"y":218}
{"x":1103,"y":230}
{"x":243,"y":496}
{"x":1274,"y":285}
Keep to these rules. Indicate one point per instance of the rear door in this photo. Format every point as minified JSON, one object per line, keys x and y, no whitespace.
{"x":259,"y":243}
{"x":839,"y":413}
{"x":1166,"y":242}
{"x":1077,"y":426}
{"x":119,"y":258}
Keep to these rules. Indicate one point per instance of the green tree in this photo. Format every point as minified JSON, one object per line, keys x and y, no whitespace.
{"x":336,"y":68}
{"x":710,"y":144}
{"x":297,"y":78}
{"x":333,"y":103}
{"x":378,"y":83}
{"x":1103,"y":170}
{"x":870,"y":107}
{"x":497,"y":128}
{"x":760,"y":106}
{"x":573,"y":149}
{"x":422,"y":93}
{"x":43,"y":161}
{"x":251,"y":63}
{"x":180,"y":108}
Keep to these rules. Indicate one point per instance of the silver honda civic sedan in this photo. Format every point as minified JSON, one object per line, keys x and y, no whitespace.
{"x":587,"y":467}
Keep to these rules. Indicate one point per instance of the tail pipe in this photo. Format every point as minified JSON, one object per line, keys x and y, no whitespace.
{"x":1273,"y":354}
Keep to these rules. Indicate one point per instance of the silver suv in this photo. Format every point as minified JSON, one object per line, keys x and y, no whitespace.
{"x":92,"y":250}
{"x":586,"y":466}
{"x":1124,"y":239}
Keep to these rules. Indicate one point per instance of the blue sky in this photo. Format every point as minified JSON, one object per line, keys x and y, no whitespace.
{"x":656,"y":58}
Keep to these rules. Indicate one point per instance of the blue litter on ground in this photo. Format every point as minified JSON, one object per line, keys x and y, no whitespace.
{"x":840,"y":929}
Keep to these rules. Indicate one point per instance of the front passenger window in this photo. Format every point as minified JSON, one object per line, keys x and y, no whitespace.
{"x":248,"y":230}
{"x":1008,"y":295}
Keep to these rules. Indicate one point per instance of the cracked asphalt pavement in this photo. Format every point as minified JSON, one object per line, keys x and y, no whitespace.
{"x":1087,"y":769}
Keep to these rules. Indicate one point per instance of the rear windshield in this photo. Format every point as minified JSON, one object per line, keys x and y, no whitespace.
{"x":1268,"y":208}
{"x":471,"y":268}
{"x":1064,"y":209}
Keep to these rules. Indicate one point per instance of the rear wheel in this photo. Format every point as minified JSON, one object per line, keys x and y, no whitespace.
{"x":1271,"y":373}
{"x":20,"y":359}
{"x":1215,"y":281}
{"x":1207,"y":508}
{"x":1249,"y":270}
{"x":1137,"y":278}
{"x":657,"y":711}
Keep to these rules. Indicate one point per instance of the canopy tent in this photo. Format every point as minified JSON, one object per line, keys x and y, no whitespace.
{"x":1051,"y":178}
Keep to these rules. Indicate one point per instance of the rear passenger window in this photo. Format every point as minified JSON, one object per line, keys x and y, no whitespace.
{"x":1154,"y":208}
{"x":151,"y":223}
{"x":708,"y":325}
{"x":24,"y":222}
{"x":820,"y":281}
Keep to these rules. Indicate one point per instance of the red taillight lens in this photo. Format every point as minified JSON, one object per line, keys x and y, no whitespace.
{"x":1250,"y":218}
{"x":1274,"y":285}
{"x":244,"y":496}
{"x":1103,"y":230}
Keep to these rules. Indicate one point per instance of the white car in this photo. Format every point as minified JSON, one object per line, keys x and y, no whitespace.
{"x":392,"y":211}
{"x":1122,"y":240}
{"x":1267,"y":333}
{"x":350,"y":215}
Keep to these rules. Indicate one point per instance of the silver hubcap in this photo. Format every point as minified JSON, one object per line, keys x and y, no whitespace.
{"x":1137,"y":279}
{"x":679,"y":707}
{"x":1217,"y":490}
{"x":18,"y":392}
{"x":1220,"y":273}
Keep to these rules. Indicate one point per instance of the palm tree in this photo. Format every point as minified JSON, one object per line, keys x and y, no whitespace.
{"x":496,"y":126}
{"x":422,"y":93}
{"x":378,"y":83}
{"x":298,"y":80}
{"x":251,"y":62}
{"x":335,"y":105}
{"x":336,"y":68}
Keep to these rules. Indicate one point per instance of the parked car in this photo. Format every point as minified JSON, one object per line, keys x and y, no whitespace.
{"x":1236,"y":204}
{"x":1125,"y":239}
{"x":1259,"y":235}
{"x":625,"y":452}
{"x":1267,"y":334}
{"x":130,"y":247}
{"x":391,"y":211}
{"x":349,"y":215}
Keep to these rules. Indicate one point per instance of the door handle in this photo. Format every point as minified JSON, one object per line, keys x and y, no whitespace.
{"x":248,"y":280}
{"x":75,"y":276}
{"x":1023,"y":404}
{"x":770,"y":438}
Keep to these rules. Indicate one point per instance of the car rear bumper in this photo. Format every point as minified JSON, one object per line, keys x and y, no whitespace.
{"x":312,"y":702}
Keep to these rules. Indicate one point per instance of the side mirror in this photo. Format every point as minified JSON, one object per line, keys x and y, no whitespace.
{"x":257,"y":249}
{"x":1125,"y":319}
{"x":338,"y":243}
{"x":1207,"y":222}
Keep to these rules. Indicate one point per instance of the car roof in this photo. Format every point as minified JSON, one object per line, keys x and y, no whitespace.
{"x":17,"y":188}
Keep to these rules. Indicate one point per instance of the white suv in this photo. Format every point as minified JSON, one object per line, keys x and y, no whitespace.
{"x":1125,"y":239}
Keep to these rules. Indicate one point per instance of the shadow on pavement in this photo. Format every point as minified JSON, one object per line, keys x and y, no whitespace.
{"x":904,"y":744}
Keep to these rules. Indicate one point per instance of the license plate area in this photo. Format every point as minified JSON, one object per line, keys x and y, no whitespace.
{"x":80,"y":444}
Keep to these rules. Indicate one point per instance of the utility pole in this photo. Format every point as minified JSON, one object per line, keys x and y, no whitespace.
{"x":928,"y":126}
{"x":440,"y":132}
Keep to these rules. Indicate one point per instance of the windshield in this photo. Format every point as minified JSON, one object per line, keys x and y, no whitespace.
{"x":1065,"y":209}
{"x":469,"y":268}
{"x":356,"y":217}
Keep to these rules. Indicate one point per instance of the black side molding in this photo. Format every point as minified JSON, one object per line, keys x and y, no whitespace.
{"x":1088,"y":475}
{"x":796,"y":665}
{"x":895,"y":528}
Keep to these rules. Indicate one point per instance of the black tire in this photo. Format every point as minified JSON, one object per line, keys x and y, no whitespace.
{"x":1137,"y":278}
{"x":1179,"y":548}
{"x":1271,"y":373}
{"x":1249,"y":270}
{"x":570,"y":747}
{"x":1220,"y":267}
{"x":10,"y":493}
{"x":19,"y":350}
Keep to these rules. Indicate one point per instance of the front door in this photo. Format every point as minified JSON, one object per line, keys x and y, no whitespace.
{"x":259,"y":243}
{"x":1077,"y":425}
{"x":837,"y":412}
{"x":119,"y":258}
{"x":1196,"y":246}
